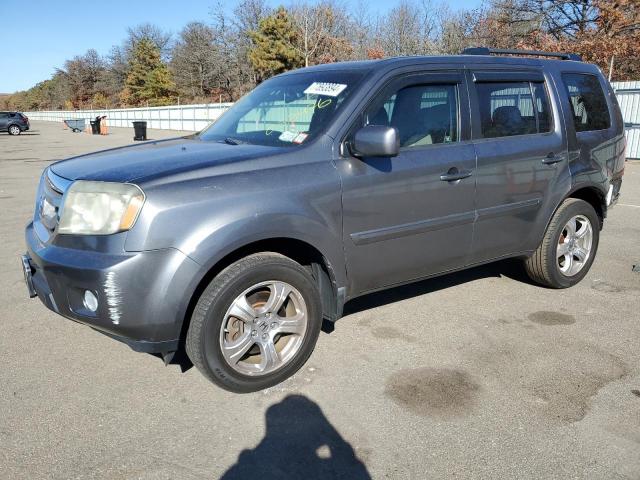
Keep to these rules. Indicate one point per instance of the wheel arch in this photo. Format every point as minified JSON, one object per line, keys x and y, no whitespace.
{"x":590,"y":193}
{"x":14,"y":125}
{"x":594,"y":196}
{"x":301,"y":251}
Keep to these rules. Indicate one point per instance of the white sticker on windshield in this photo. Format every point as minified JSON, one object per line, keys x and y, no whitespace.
{"x":325,"y":88}
{"x":287,"y":136}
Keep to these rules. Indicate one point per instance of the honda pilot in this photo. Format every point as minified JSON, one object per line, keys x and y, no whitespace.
{"x":321,"y":185}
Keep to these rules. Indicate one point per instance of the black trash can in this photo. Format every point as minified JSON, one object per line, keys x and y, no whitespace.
{"x":139,"y":131}
{"x":95,"y":129}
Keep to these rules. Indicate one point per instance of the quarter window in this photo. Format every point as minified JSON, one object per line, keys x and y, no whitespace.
{"x":588,"y":103}
{"x":514,"y":108}
{"x":422,"y":114}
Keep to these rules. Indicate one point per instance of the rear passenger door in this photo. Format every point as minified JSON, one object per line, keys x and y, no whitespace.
{"x":522,"y":153}
{"x":4,"y":117}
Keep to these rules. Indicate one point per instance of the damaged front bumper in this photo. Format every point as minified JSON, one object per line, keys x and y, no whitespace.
{"x":141,"y":296}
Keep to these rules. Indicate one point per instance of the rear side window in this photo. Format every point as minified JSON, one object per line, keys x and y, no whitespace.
{"x":588,"y":103}
{"x":423,"y":114}
{"x":513,"y":108}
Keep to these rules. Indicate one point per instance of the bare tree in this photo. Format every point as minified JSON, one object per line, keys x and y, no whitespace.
{"x":322,"y":30}
{"x":409,"y":29}
{"x":194,"y":60}
{"x":155,"y":34}
{"x":558,"y":18}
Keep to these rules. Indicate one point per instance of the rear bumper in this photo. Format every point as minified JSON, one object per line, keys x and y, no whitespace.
{"x":141,"y":296}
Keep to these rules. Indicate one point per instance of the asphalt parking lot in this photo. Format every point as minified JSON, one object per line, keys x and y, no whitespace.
{"x":478,"y":374}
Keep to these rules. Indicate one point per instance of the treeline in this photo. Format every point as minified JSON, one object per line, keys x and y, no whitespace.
{"x":226,"y":56}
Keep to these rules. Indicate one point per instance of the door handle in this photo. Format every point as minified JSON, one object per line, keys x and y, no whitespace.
{"x":454,"y":175}
{"x":552,"y":158}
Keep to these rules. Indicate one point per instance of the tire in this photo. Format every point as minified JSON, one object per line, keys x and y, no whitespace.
{"x":560,"y":260}
{"x":14,"y":130}
{"x":221,"y":318}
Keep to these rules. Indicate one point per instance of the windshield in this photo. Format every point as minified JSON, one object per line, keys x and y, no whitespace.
{"x":284,"y":111}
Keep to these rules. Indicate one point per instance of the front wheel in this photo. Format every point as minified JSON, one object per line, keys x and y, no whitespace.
{"x":14,"y":130}
{"x":569,"y":246}
{"x":256,"y":323}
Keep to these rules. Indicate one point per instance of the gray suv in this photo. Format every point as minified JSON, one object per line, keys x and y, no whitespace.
{"x":321,"y":185}
{"x":13,"y":123}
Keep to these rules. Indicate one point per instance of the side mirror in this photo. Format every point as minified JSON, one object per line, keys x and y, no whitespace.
{"x":376,"y":141}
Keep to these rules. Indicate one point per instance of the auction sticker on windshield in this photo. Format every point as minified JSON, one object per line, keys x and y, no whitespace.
{"x":325,"y":88}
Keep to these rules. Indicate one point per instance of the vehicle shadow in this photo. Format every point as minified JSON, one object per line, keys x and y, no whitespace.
{"x":23,"y":134}
{"x":510,"y":268}
{"x":299,"y":443}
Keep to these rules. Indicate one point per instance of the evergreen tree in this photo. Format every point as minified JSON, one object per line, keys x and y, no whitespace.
{"x":273,"y":50}
{"x":149,"y":79}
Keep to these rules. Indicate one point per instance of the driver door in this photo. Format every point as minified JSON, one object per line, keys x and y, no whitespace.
{"x":408,"y":216}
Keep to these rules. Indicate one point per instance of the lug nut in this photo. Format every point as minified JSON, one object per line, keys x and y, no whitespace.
{"x":273,"y":325}
{"x":264,"y":336}
{"x":254,"y":333}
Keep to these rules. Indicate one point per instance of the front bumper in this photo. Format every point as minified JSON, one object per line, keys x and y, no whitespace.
{"x":142,"y":296}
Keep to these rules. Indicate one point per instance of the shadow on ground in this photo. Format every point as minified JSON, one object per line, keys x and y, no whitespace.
{"x":299,"y":443}
{"x":24,"y":134}
{"x":510,"y":268}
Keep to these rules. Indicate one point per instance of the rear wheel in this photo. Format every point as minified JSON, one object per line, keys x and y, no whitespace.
{"x":569,"y":246}
{"x":256,"y":323}
{"x":14,"y":130}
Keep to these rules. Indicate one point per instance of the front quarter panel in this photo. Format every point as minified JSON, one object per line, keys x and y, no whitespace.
{"x":209,"y":214}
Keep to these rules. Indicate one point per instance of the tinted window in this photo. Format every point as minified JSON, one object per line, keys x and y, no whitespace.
{"x":423,"y":114}
{"x":543,"y":110}
{"x":508,"y":109}
{"x":589,"y":105}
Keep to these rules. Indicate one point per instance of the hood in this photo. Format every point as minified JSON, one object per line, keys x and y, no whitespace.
{"x":150,"y":160}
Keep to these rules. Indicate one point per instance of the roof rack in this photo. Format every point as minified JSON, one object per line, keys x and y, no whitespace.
{"x":533,"y":53}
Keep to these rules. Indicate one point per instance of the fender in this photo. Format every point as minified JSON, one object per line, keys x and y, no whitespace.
{"x":597,"y":187}
{"x":244,"y":231}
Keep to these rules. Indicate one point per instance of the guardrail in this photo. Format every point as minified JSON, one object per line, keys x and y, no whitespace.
{"x":175,"y":117}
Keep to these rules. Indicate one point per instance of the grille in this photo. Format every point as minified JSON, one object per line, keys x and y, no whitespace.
{"x":50,"y":195}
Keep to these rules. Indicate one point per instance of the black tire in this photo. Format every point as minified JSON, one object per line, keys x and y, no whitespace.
{"x":543,"y":267}
{"x":203,"y":336}
{"x":14,"y":130}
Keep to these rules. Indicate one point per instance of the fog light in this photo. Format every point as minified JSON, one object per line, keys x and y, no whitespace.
{"x":90,"y":301}
{"x":609,"y":195}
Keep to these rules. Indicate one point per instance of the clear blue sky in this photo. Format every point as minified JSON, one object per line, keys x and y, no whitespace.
{"x":45,"y":33}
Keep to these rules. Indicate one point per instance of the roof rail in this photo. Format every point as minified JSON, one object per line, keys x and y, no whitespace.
{"x":507,"y":51}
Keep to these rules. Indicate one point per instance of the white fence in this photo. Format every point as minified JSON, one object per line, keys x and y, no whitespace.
{"x":628,"y":94}
{"x":176,"y":117}
{"x":196,"y":117}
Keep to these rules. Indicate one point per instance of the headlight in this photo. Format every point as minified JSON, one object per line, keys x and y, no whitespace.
{"x":100,"y":208}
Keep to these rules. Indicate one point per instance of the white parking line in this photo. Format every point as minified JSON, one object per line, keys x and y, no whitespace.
{"x":628,"y":205}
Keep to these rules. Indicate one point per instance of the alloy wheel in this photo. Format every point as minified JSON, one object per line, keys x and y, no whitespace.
{"x":264,"y":328}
